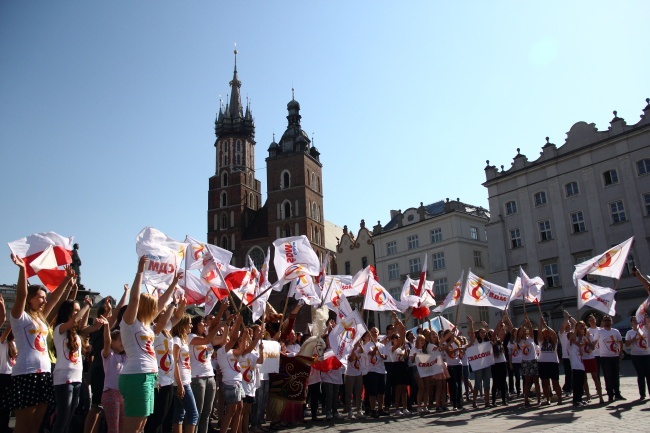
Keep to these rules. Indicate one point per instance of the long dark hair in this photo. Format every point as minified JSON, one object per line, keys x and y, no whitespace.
{"x":12,"y":352}
{"x":66,"y":311}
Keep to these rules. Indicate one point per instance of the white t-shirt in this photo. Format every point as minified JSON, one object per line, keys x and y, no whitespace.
{"x":375,"y":362}
{"x":564,"y":341}
{"x":515,"y":353}
{"x":200,"y":356}
{"x":229,"y":366}
{"x":6,"y":363}
{"x":138,"y":341}
{"x":183,"y":360}
{"x":587,"y":351}
{"x":609,"y":342}
{"x":292,"y":349}
{"x":314,"y":376}
{"x":333,"y":376}
{"x":548,"y":352}
{"x":164,"y":348}
{"x":69,"y":365}
{"x":31,"y":342}
{"x":248,"y":367}
{"x":391,"y":355}
{"x":593,"y":332}
{"x":637,"y":347}
{"x":454,"y":359}
{"x":528,"y":349}
{"x":354,"y":367}
{"x":575,"y":358}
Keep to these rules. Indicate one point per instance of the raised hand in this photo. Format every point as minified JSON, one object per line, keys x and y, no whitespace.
{"x":17,"y":261}
{"x":142,"y":264}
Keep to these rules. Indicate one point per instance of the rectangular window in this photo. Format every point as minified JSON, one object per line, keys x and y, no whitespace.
{"x":484,"y":314}
{"x":438,"y":260}
{"x":545,"y":230}
{"x":643,"y":167}
{"x":413,"y":242}
{"x":364,"y":262}
{"x":473,"y":233}
{"x":610,"y":177}
{"x":449,"y":316}
{"x":440,"y":287}
{"x":414,"y":266}
{"x":540,"y":198}
{"x":581,"y":257}
{"x":578,"y":222}
{"x":478,"y":259}
{"x":347,"y":268}
{"x":393,"y":271}
{"x":551,"y":275}
{"x":629,"y":263}
{"x":436,"y":235}
{"x":391,"y":248}
{"x":646,"y":203}
{"x":515,"y":238}
{"x":618,"y":212}
{"x":511,"y":208}
{"x":571,"y":189}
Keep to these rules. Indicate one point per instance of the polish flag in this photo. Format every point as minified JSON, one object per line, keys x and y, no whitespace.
{"x":259,"y":304}
{"x":31,"y":247}
{"x":46,"y":269}
{"x":423,"y":277}
{"x":328,"y":364}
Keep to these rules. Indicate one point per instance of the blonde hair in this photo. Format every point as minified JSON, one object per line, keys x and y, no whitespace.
{"x":180,"y":329}
{"x":147,"y":308}
{"x":32,"y":291}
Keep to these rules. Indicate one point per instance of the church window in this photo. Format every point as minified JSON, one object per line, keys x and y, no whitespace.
{"x":215,"y":222}
{"x":250,"y":200}
{"x":224,"y":199}
{"x":287,"y":231}
{"x":224,"y":242}
{"x":224,"y":179}
{"x":286,"y":209}
{"x":285,"y":181}
{"x":224,"y":221}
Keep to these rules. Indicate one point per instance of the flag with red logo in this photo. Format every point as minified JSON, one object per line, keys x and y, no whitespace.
{"x":599,"y":298}
{"x":165,"y":255}
{"x":31,"y":247}
{"x":295,"y":257}
{"x":347,"y":332}
{"x":453,"y":297}
{"x":360,"y":281}
{"x":323,"y":271}
{"x":426,"y":297}
{"x":531,"y":288}
{"x":306,"y":289}
{"x":482,"y":293}
{"x":608,"y":264}
{"x":342,"y":282}
{"x":259,"y":305}
{"x":377,"y":298}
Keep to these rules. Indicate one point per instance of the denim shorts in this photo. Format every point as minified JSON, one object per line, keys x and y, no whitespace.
{"x":233,"y":393}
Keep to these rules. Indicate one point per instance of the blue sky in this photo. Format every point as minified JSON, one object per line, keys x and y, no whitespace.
{"x":107,"y":108}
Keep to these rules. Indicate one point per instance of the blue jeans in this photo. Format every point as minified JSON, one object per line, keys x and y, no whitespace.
{"x":66,"y":397}
{"x":185,"y":411}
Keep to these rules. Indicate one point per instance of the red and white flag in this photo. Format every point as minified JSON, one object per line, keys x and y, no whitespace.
{"x":196,"y":253}
{"x":259,"y":305}
{"x":360,"y":281}
{"x":377,"y":298}
{"x":482,"y":293}
{"x":423,"y":278}
{"x":608,"y":264}
{"x":453,"y":297}
{"x":599,"y":298}
{"x":426,"y":297}
{"x":165,"y":255}
{"x":346,"y":334}
{"x":195,"y":288}
{"x":30,"y":247}
{"x":295,"y":257}
{"x":531,"y":288}
{"x":47,"y":269}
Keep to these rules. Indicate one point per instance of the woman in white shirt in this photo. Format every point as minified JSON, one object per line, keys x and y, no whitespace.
{"x":185,"y":412}
{"x":529,"y":368}
{"x":549,"y":363}
{"x":638,"y":342}
{"x":7,"y":361}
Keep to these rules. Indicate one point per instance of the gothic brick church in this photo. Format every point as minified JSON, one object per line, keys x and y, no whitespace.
{"x":237,"y":219}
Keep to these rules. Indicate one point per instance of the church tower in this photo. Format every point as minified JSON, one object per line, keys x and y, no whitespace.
{"x":234,"y":194}
{"x":294,"y":185}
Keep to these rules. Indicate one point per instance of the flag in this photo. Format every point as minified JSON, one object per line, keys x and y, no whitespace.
{"x":332,"y":294}
{"x":46,"y":268}
{"x":211,"y":299}
{"x":343,"y":282}
{"x":642,"y":316}
{"x":423,"y":277}
{"x":295,"y":257}
{"x":479,"y":292}
{"x":531,"y":289}
{"x":411,"y":300}
{"x":195,"y":253}
{"x":323,"y":271}
{"x":259,"y":305}
{"x":377,"y":298}
{"x":165,"y":255}
{"x":453,"y":298}
{"x":360,"y":281}
{"x":599,"y":298}
{"x":346,"y":334}
{"x":608,"y":264}
{"x":328,"y":364}
{"x":304,"y":288}
{"x":30,"y":247}
{"x":516,"y":289}
{"x":195,"y":288}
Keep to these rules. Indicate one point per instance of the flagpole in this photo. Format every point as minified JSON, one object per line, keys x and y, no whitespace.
{"x":326,"y":293}
{"x":232,"y":300}
{"x":286,"y":303}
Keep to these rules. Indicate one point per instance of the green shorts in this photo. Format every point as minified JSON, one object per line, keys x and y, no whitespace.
{"x":137,"y":391}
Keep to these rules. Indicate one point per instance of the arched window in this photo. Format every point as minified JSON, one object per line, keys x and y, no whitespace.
{"x":250,"y":179}
{"x":224,"y":199}
{"x":224,"y":179}
{"x":318,"y":216}
{"x":238,"y":159}
{"x":238,"y":146}
{"x":285,"y":181}
{"x":215,"y":222}
{"x":250,"y":200}
{"x":257,"y":255}
{"x":313,"y":180}
{"x":318,"y":183}
{"x":286,"y":209}
{"x":287,"y":231}
{"x":224,"y":221}
{"x":224,"y":242}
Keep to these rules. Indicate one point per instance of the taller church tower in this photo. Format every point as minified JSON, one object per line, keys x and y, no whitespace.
{"x":234,"y":195}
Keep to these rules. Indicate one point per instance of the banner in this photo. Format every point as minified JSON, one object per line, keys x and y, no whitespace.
{"x":599,"y":298}
{"x":271,"y":362}
{"x":306,"y":289}
{"x":428,"y":364}
{"x":479,"y":292}
{"x":480,"y":355}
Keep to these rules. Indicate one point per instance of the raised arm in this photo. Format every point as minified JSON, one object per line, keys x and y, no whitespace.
{"x":180,"y":310}
{"x":74,"y":289}
{"x":160,"y":324}
{"x":166,"y":296}
{"x":57,"y":296}
{"x":106,"y":350}
{"x":21,"y":288}
{"x":472,"y":335}
{"x":3,"y":311}
{"x":5,"y":334}
{"x":641,"y":278}
{"x":112,"y":318}
{"x":234,"y":336}
{"x":134,"y":298}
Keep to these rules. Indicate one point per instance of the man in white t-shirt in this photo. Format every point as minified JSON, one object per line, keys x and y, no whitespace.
{"x":611,"y":352}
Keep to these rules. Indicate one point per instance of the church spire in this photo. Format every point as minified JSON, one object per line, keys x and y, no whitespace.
{"x":236,"y":109}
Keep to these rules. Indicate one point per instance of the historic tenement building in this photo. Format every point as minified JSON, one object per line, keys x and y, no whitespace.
{"x":569,"y":204}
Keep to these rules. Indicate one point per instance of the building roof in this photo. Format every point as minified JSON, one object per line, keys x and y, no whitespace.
{"x":433,"y":210}
{"x":332,"y":234}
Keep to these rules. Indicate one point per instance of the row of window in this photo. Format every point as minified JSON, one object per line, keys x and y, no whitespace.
{"x":225,"y":145}
{"x":577,"y":220}
{"x":285,"y":180}
{"x":413,"y":242}
{"x":250,"y":199}
{"x":610,"y":177}
{"x":438,"y":263}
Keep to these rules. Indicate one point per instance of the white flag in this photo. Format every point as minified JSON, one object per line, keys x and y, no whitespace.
{"x":599,"y":298}
{"x":608,"y":264}
{"x":295,"y":257}
{"x":453,"y":298}
{"x":378,"y":299}
{"x":165,"y":255}
{"x":306,"y":289}
{"x":259,"y":305}
{"x":479,"y":292}
{"x":531,"y":288}
{"x":343,"y":282}
{"x":46,"y":260}
{"x":346,"y":334}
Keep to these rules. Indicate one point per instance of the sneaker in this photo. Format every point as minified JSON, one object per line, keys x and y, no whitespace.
{"x":351,"y":416}
{"x":307,"y":413}
{"x":407,"y":412}
{"x":620,"y":397}
{"x":398,"y":412}
{"x":360,"y":415}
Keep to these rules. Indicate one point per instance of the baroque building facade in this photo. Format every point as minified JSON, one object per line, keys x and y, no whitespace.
{"x":568,"y":205}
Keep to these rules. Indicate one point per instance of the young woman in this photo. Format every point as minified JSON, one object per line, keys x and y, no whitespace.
{"x":451,"y":356}
{"x":113,"y":358}
{"x":590,"y":365}
{"x":640,"y":355}
{"x":138,"y":377}
{"x":69,"y":365}
{"x":354,"y":381}
{"x":549,"y":364}
{"x":422,"y":398}
{"x":248,"y":363}
{"x":577,"y":368}
{"x":399,"y":373}
{"x":481,"y":376}
{"x":515,"y":360}
{"x":529,"y":368}
{"x":8,"y":354}
{"x":376,"y":377}
{"x":567,"y":326}
{"x":185,"y":412}
{"x":31,"y":387}
{"x":499,"y":368}
{"x":232,"y":347}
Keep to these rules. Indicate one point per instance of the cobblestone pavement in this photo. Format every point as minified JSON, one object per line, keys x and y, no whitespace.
{"x":630,"y":415}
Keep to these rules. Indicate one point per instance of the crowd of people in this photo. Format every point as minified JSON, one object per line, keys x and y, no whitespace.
{"x":147,"y":366}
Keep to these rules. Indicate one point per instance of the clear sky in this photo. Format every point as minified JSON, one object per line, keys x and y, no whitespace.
{"x":107,"y":108}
